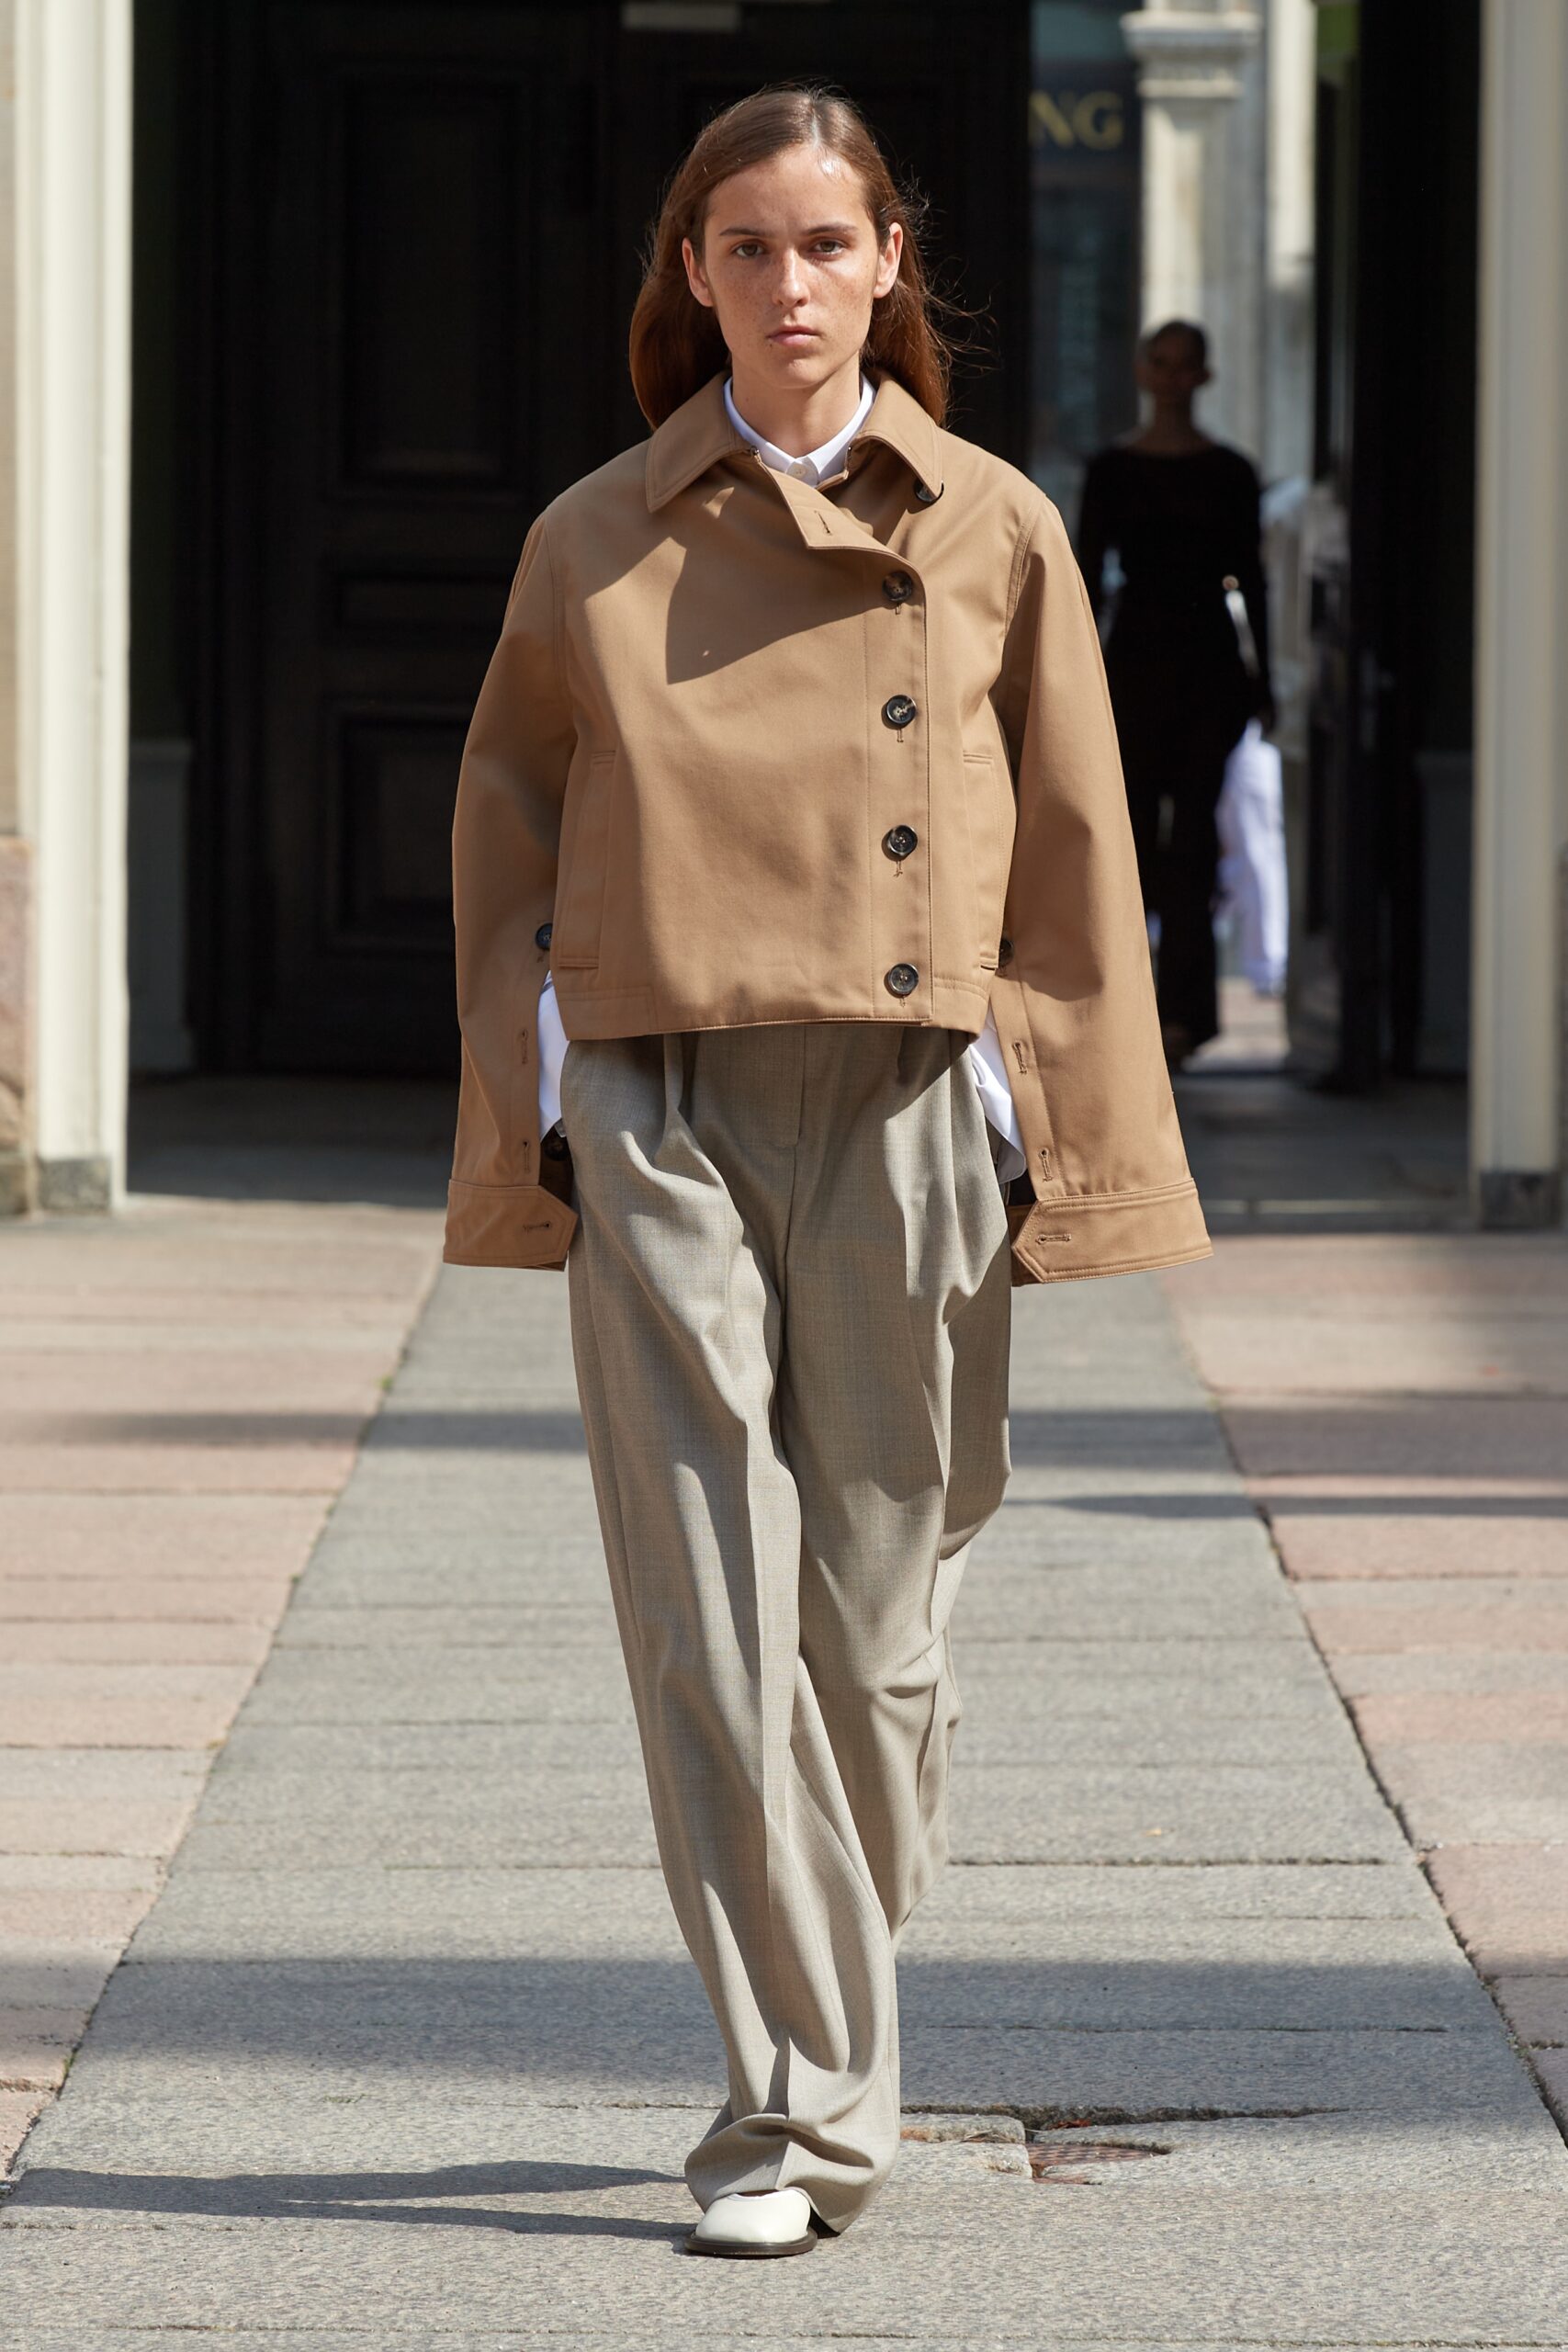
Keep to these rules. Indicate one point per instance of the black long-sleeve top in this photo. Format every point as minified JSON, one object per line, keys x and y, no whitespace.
{"x":1179,"y":526}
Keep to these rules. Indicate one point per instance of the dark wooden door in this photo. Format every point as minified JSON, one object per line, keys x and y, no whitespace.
{"x":429,"y":207}
{"x":427,"y":225}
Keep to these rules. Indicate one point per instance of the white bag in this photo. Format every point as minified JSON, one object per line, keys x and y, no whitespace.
{"x":1253,"y":882}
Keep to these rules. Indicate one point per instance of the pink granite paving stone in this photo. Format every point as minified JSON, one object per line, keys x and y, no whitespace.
{"x":93,"y":1825}
{"x":19,"y":2111}
{"x":1373,"y":1348}
{"x":1454,"y":1792}
{"x":1536,"y":2007}
{"x":90,"y":1394}
{"x":202,"y":1536}
{"x":1445,"y":1269}
{"x":1509,"y":1904}
{"x":183,"y":1389}
{"x":1410,"y":1615}
{"x":1406,"y":1717}
{"x":194,"y":1601}
{"x":1441,"y":1445}
{"x":235,"y":1460}
{"x":1367,"y":1542}
{"x":109,"y":1705}
{"x":36,"y":2045}
{"x":1398,"y":1409}
{"x":1551,"y":2066}
{"x":127,"y":1642}
{"x":95,"y":1918}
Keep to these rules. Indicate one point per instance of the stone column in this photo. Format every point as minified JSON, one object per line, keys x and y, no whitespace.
{"x":1202,"y":204}
{"x":1521,"y":715}
{"x":65,"y":391}
{"x":1289,"y":327}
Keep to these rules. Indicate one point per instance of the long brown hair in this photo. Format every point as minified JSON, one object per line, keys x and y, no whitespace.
{"x":675,"y":340}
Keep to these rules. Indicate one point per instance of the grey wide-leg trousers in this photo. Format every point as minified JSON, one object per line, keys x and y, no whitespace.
{"x":790,"y":1298}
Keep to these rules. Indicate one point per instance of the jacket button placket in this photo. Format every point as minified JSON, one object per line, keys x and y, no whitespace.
{"x":900,"y":811}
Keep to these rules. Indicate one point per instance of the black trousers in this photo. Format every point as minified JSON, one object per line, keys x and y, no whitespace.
{"x":1179,"y":714}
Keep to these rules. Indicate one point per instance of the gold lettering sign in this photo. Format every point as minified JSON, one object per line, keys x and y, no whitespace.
{"x":1091,"y":118}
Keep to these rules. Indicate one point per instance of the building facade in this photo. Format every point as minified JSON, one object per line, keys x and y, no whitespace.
{"x":306,"y":309}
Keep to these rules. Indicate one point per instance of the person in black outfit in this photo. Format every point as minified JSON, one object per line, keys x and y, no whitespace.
{"x":1180,"y":510}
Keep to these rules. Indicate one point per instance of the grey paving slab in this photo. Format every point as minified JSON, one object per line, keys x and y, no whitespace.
{"x":415,"y":1964}
{"x":338,"y":2137}
{"x":1097,"y":1598}
{"x":506,"y":1577}
{"x":562,"y":1819}
{"x":521,"y":1627}
{"x":1203,"y":1813}
{"x":298,"y":1769}
{"x":470,"y":1685}
{"x":516,"y":1602}
{"x":283,"y":1771}
{"x":1091,"y":1812}
{"x":1044,"y":2266}
{"x":486,"y":2013}
{"x":351,"y":1911}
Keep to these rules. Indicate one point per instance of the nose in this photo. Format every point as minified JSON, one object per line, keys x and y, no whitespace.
{"x":790,"y":284}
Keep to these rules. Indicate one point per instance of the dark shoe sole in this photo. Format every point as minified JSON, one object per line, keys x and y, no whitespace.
{"x":734,"y":2250}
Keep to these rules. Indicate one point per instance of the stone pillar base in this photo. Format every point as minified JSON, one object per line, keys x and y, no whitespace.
{"x":1517,"y":1200}
{"x":17,"y":990}
{"x":75,"y":1187}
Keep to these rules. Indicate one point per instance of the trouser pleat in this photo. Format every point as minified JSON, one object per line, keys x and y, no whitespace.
{"x":789,"y":1299}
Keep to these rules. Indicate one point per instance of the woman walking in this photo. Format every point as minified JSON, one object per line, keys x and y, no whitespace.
{"x":1181,"y":512}
{"x":792,"y":784}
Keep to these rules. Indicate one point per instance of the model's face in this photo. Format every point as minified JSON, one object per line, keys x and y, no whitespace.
{"x":791,"y":265}
{"x":1170,"y":368}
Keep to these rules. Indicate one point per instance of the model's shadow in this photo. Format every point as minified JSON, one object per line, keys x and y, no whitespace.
{"x":356,"y":2196}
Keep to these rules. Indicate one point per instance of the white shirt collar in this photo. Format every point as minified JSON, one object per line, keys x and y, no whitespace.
{"x":818,"y":466}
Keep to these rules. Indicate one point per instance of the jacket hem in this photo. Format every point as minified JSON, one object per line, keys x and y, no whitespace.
{"x":596,"y":1015}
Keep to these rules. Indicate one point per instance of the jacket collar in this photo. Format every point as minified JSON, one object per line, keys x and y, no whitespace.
{"x":699,"y":433}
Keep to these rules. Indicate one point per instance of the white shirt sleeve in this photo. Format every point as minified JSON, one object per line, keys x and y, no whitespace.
{"x":989,"y":1071}
{"x":552,"y":1052}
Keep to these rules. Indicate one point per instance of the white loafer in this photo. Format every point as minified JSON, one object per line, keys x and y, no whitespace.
{"x":776,"y":2222}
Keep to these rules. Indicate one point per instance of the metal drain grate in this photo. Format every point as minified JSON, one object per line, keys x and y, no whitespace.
{"x":1049,"y":2158}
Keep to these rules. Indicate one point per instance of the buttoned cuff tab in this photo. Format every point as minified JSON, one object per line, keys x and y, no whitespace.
{"x":506,"y":1224}
{"x":1071,"y":1238}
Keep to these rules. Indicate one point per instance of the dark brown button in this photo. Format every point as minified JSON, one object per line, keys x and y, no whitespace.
{"x":900,"y":842}
{"x":902,"y":980}
{"x":899,"y":710}
{"x":542,"y":937}
{"x":897,"y":587}
{"x":1003,"y":955}
{"x":927,"y":496}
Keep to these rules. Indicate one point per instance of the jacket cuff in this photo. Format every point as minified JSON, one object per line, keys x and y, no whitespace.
{"x":1071,"y":1238}
{"x":505,"y":1225}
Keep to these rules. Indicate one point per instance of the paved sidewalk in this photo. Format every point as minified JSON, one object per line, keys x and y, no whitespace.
{"x":182,"y":1392}
{"x":1399,"y":1408}
{"x":407,"y":2053}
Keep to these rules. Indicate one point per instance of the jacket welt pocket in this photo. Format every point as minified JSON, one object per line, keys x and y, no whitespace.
{"x":585,"y":847}
{"x":987,"y":854}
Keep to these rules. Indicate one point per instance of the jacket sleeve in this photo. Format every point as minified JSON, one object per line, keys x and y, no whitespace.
{"x":500,"y":1208}
{"x":1075,"y":1002}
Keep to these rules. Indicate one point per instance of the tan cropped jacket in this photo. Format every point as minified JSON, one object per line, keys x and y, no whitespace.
{"x":752,"y":751}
